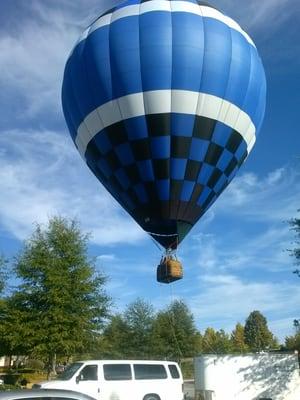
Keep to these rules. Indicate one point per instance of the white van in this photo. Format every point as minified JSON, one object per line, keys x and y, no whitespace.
{"x":121,"y":380}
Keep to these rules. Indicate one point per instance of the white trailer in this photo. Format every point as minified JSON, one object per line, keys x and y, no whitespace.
{"x":263,"y":376}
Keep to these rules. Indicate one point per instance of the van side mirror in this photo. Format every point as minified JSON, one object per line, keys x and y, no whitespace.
{"x":77,"y":379}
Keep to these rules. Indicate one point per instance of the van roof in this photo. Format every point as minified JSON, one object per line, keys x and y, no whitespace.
{"x":128,"y":361}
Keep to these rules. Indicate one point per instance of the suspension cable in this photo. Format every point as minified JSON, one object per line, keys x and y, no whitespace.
{"x":172,"y":324}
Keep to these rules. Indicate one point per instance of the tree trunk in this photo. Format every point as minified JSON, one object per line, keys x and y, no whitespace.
{"x":51,"y":366}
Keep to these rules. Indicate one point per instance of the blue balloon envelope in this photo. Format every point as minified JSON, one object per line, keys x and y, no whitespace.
{"x":164,"y":100}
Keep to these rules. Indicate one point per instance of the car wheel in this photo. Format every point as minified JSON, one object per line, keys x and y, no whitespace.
{"x":151,"y":396}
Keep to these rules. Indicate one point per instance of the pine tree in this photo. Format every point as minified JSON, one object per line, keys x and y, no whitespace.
{"x":2,"y":274}
{"x":174,"y":333}
{"x":139,"y":318}
{"x":238,"y":339}
{"x":295,"y":253}
{"x":295,"y":226}
{"x":257,"y":334}
{"x":4,"y":350}
{"x":114,"y":344}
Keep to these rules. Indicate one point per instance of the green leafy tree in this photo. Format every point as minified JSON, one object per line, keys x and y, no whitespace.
{"x":3,"y":313}
{"x":3,"y":275}
{"x":295,"y":253}
{"x":139,"y":318}
{"x":257,"y":334}
{"x":238,"y":339}
{"x":174,"y":333}
{"x":216,"y":341}
{"x":60,"y":305}
{"x":293,"y":342}
{"x":114,"y":343}
{"x":297,"y":325}
{"x":295,"y":226}
{"x":17,"y":336}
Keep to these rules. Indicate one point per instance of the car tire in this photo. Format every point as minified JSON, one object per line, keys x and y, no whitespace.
{"x":151,"y":396}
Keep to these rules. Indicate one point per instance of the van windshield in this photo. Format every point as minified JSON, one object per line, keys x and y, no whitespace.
{"x":69,"y":371}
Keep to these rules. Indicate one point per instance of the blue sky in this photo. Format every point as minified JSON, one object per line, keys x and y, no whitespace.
{"x":235,"y":259}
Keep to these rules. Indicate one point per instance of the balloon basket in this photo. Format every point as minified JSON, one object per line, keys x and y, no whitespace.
{"x":169,"y":270}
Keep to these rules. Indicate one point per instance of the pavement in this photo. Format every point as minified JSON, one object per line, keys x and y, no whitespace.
{"x":189,"y":389}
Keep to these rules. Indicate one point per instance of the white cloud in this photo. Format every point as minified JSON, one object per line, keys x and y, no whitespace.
{"x":283,"y":327}
{"x":32,"y":63}
{"x":34,"y":52}
{"x":228,"y":299}
{"x":267,"y":16}
{"x":249,"y":240}
{"x":41,"y":175}
{"x":273,"y":27}
{"x":107,"y":257}
{"x":275,"y":177}
{"x":265,"y":251}
{"x":271,"y":198}
{"x":208,"y":259}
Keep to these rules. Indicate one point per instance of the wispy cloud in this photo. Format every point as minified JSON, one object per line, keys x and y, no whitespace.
{"x":265,"y":251}
{"x":270,"y":198}
{"x":258,"y":15}
{"x":32,"y":62}
{"x":230,"y":272}
{"x":33,"y":55}
{"x":228,"y":299}
{"x":273,"y":26}
{"x":106,"y":257}
{"x":41,"y":175}
{"x":256,"y":211}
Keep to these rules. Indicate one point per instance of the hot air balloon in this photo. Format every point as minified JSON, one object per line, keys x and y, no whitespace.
{"x":164,"y":100}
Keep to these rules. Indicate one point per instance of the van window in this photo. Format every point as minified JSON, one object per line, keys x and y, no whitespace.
{"x":174,"y":371}
{"x":117,"y":372}
{"x":89,"y":373}
{"x":69,"y":371}
{"x":149,"y":371}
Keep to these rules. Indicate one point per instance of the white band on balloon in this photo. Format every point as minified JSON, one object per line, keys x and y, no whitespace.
{"x":165,"y":101}
{"x":164,"y":5}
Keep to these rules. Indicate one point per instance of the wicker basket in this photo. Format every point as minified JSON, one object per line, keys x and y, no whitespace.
{"x":169,"y":270}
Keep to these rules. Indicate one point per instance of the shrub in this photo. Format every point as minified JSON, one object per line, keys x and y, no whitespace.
{"x":35,"y":365}
{"x":11,"y":379}
{"x":9,"y":387}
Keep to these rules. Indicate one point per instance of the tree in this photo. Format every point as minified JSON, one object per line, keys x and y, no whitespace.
{"x":295,"y":226}
{"x":139,"y":317}
{"x":128,"y":335}
{"x":115,"y":339}
{"x":293,"y":342}
{"x":216,"y":341}
{"x":61,"y":304}
{"x":2,"y":274}
{"x":238,"y":339}
{"x":3,"y":277}
{"x":257,"y":334}
{"x":174,"y":333}
{"x":297,"y":325}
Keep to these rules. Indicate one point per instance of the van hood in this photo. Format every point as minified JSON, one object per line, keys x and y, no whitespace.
{"x":50,"y":384}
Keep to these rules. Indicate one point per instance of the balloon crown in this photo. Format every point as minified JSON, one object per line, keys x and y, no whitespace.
{"x":129,"y":2}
